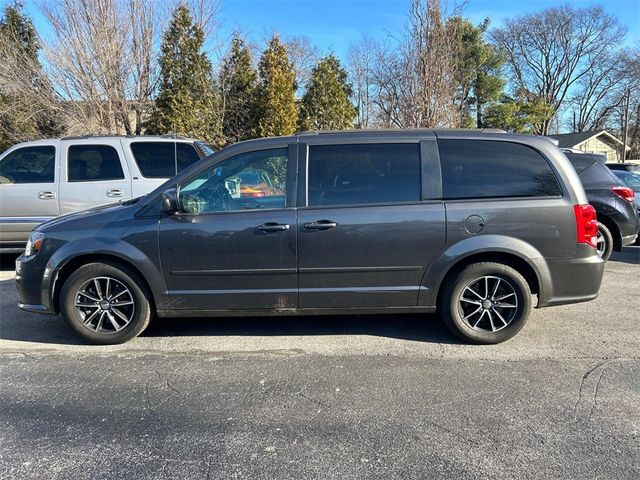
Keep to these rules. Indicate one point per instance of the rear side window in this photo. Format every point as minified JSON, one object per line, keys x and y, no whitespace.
{"x":490,"y":169}
{"x":155,"y":159}
{"x":580,"y":161}
{"x":29,"y":165}
{"x":163,"y":159}
{"x":186,"y":155}
{"x":92,"y":163}
{"x":364,"y":173}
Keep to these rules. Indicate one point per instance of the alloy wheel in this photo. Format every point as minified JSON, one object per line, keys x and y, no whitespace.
{"x":601,"y":244}
{"x":488,"y":303}
{"x":104,"y":304}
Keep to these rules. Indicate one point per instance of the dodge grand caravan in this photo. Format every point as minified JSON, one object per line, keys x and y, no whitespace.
{"x":478,"y":226}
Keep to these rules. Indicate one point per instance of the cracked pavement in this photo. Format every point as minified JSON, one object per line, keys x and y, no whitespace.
{"x":327,"y":397}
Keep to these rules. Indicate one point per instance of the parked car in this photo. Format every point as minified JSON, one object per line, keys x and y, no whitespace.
{"x":631,"y":180}
{"x":618,"y":221}
{"x":43,"y":179}
{"x":365,"y":222}
{"x":627,"y":167}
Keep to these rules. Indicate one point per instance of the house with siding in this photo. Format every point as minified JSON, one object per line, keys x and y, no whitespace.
{"x":594,"y":141}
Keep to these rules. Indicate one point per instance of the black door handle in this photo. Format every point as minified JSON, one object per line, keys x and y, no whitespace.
{"x":272,"y":227}
{"x":320,"y":225}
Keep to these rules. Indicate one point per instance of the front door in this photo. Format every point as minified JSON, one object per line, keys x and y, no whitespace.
{"x":232,"y":245}
{"x":368,"y":228}
{"x":28,"y":191}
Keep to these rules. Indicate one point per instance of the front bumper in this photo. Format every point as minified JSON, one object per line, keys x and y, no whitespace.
{"x":33,"y":281}
{"x":629,"y":240}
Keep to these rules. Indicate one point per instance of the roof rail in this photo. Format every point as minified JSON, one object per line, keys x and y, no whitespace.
{"x":172,"y":136}
{"x":400,"y":130}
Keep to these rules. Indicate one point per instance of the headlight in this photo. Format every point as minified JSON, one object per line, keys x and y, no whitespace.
{"x":34,"y":244}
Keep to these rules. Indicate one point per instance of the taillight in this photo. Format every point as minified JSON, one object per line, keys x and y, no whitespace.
{"x":624,"y":193}
{"x":587,"y":224}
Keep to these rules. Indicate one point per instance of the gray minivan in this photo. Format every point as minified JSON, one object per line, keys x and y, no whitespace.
{"x":469,"y":223}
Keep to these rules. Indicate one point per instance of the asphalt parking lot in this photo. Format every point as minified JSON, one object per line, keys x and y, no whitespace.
{"x":327,"y":397}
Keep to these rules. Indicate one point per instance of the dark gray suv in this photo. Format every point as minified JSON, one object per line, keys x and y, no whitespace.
{"x":469,"y":223}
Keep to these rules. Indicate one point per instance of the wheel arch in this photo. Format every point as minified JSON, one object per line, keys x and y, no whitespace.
{"x":65,"y":270}
{"x":515,"y":253}
{"x":613,"y":228}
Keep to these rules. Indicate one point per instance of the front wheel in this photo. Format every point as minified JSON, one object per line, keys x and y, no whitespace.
{"x":105,"y":304}
{"x":486,"y":303}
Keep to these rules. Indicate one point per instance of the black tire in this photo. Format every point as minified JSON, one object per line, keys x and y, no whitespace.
{"x":119,"y":277}
{"x":507,"y":320}
{"x":605,"y":242}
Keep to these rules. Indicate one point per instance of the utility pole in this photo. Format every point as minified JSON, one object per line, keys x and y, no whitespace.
{"x":625,"y":130}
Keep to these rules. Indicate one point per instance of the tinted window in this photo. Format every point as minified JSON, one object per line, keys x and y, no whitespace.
{"x":163,"y":159}
{"x":598,"y":176}
{"x":155,"y":159}
{"x":186,"y":155}
{"x":580,"y":161}
{"x":483,"y":169}
{"x":243,"y":182}
{"x":360,"y":174}
{"x":88,"y":163}
{"x":29,"y":165}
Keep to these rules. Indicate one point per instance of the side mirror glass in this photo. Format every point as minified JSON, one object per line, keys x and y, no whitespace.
{"x":170,"y":201}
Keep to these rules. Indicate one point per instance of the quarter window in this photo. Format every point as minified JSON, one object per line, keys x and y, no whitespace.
{"x":363,"y":173}
{"x":163,"y":159}
{"x":244,"y":182}
{"x":29,"y":165}
{"x":92,"y":163}
{"x":186,"y":155}
{"x":490,"y":169}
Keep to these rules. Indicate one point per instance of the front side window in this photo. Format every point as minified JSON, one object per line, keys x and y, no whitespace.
{"x":492,"y":169}
{"x":93,"y":163}
{"x":29,"y":165}
{"x":243,"y":182}
{"x":354,"y":174}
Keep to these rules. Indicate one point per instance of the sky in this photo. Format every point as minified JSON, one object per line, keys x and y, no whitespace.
{"x":333,"y":25}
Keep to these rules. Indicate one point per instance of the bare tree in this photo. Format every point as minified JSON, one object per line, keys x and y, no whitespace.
{"x":598,"y":93}
{"x":360,"y":64}
{"x":416,"y":83}
{"x":304,"y":56}
{"x":551,"y":51}
{"x":102,"y":63}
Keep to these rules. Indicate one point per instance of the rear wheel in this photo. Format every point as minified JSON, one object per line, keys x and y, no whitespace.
{"x":604,"y":242}
{"x":105,"y":303}
{"x":486,"y":303}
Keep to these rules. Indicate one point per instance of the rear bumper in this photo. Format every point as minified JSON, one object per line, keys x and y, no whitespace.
{"x":571,"y":280}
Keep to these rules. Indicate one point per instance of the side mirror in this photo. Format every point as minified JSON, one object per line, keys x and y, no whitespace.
{"x":169,"y":201}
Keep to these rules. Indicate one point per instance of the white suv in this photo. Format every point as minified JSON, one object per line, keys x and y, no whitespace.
{"x":42,"y":179}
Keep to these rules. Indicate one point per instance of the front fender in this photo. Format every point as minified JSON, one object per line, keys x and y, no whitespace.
{"x":108,"y":247}
{"x":480,"y":244}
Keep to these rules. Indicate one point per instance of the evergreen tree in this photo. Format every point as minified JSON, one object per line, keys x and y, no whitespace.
{"x":521,"y":114}
{"x":187,"y":103}
{"x":326,"y":104}
{"x":478,"y":68}
{"x":275,"y":106}
{"x":26,"y":107}
{"x":238,"y":83}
